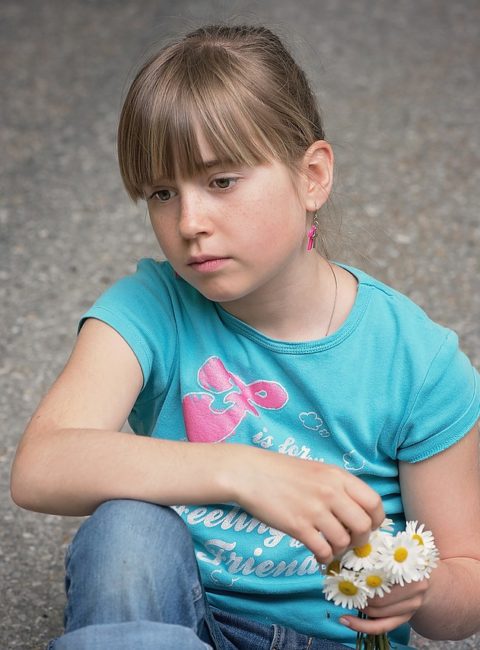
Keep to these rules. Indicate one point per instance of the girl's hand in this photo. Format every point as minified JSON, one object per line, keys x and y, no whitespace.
{"x":394,"y":609}
{"x":324,"y":507}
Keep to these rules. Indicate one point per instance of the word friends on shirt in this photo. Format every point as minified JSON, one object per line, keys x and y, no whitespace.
{"x":227,"y":565}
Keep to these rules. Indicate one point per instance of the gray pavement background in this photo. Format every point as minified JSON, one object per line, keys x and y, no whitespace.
{"x":398,"y":84}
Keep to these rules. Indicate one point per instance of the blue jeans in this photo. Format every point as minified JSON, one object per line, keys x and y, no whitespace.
{"x":132,"y":582}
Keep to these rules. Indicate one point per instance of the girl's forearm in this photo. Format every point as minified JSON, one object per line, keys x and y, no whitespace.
{"x":450,"y":611}
{"x":72,"y":471}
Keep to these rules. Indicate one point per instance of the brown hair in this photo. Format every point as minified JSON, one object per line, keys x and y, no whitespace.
{"x":237,"y":84}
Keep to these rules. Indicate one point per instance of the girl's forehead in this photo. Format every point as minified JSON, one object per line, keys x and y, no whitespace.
{"x":184,"y":138}
{"x":190,"y":142}
{"x":206,"y":158}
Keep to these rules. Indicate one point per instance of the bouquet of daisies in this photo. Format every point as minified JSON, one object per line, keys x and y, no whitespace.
{"x":370,"y":570}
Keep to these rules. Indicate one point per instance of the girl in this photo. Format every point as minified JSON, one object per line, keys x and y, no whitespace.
{"x":284,"y":403}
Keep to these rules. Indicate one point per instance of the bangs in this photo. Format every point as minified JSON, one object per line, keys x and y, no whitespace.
{"x":173,"y":142}
{"x":187,"y":95}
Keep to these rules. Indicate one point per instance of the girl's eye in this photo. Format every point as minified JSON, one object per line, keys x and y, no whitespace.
{"x":224,"y":183}
{"x":163,"y":195}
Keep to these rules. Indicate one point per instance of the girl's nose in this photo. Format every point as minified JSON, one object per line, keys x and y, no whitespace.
{"x":194,"y":217}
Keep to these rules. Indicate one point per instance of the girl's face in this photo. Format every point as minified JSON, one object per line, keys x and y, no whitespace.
{"x":232,"y":231}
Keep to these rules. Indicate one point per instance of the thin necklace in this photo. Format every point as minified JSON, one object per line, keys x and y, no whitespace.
{"x":334,"y":299}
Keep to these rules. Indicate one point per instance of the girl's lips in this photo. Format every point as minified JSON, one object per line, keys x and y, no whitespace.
{"x":209,"y":265}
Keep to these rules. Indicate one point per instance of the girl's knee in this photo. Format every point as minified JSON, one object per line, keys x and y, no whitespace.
{"x":125,"y":535}
{"x":129,"y":521}
{"x":132,"y":560}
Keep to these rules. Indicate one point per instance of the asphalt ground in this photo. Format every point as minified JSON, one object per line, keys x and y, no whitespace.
{"x":398,"y":86}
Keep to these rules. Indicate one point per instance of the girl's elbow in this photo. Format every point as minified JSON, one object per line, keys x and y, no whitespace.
{"x":19,"y":491}
{"x":25,"y":488}
{"x":19,"y":494}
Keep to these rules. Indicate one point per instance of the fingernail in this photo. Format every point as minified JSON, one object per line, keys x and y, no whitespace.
{"x":344,"y":621}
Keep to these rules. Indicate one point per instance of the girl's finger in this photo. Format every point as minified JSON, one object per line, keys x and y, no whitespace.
{"x":373,"y":625}
{"x":367,"y":499}
{"x":398,"y":594}
{"x":356,"y":521}
{"x":335,"y":533}
{"x":317,"y":543}
{"x":400,"y":608}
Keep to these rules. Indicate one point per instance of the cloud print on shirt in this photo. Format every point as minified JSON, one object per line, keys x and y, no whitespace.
{"x":313,"y":422}
{"x":353,"y":461}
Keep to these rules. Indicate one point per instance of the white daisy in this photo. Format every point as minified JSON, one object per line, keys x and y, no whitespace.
{"x":430,"y":562}
{"x":363,"y":557}
{"x":426,"y":542}
{"x":377,"y":582}
{"x":402,"y":559}
{"x":381,"y":537}
{"x":346,"y":589}
{"x":422,"y":537}
{"x":430,"y":559}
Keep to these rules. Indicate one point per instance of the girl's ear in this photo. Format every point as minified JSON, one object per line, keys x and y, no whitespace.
{"x":318,"y":169}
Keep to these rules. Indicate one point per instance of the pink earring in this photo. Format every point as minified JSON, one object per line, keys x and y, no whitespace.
{"x":312,"y":233}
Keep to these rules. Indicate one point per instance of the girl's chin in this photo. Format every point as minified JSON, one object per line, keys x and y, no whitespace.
{"x":221,"y":294}
{"x":221,"y":287}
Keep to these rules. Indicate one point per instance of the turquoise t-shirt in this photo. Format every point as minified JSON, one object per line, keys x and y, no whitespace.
{"x":388,"y":385}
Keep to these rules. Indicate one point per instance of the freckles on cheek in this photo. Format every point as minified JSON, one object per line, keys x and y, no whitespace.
{"x":161,"y":232}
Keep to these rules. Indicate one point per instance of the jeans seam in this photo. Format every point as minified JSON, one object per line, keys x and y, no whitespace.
{"x":277,"y":637}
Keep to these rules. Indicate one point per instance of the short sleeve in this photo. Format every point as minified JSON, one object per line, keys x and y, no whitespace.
{"x":139,"y":308}
{"x":446,"y":406}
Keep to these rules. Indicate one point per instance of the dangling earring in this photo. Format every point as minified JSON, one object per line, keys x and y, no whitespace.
{"x":313,"y":232}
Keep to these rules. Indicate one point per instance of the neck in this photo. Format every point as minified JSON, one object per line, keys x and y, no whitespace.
{"x":296,"y":307}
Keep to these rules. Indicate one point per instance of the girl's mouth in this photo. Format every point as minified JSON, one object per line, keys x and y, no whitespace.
{"x":208,"y":264}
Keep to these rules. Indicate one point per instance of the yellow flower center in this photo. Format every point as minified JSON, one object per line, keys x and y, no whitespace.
{"x":333,"y":567}
{"x":374,"y":581}
{"x":400,"y":554}
{"x":363,"y":551}
{"x":347,"y":588}
{"x":418,"y":539}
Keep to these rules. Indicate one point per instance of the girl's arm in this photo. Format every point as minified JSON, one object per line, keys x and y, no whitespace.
{"x":72,"y":458}
{"x":443,"y":492}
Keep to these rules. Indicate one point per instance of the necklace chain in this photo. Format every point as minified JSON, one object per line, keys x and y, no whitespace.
{"x":334,"y":298}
